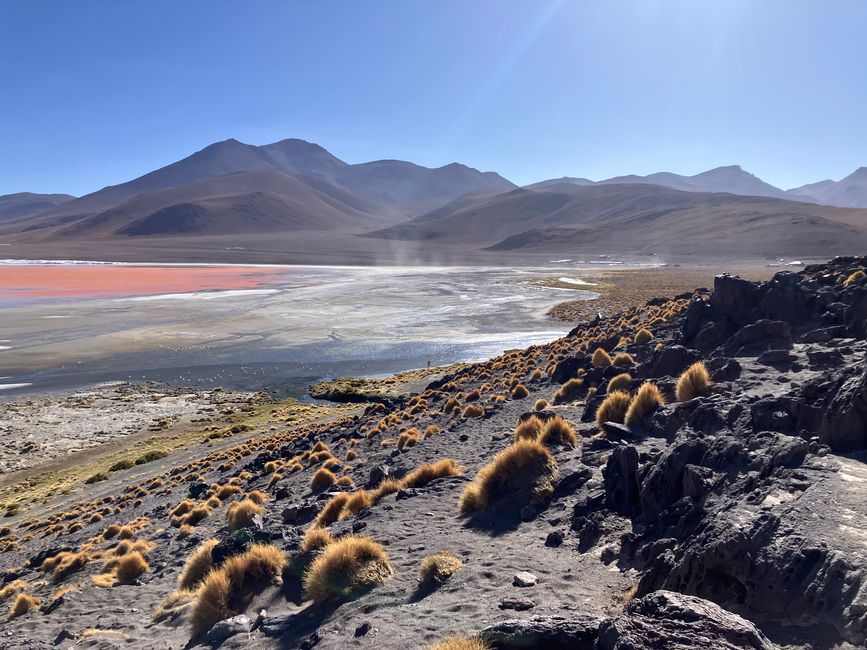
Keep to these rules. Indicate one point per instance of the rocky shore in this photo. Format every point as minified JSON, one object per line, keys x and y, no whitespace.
{"x":689,"y":473}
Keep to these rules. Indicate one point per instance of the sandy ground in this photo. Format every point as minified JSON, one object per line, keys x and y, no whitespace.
{"x":39,"y":429}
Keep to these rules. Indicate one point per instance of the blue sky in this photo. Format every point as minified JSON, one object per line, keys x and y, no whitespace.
{"x":97,"y":92}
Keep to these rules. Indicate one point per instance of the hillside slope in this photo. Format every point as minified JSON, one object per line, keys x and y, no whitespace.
{"x":623,"y":219}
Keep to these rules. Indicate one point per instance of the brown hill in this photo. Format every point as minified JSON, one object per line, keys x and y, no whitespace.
{"x":622,"y":218}
{"x":245,"y":202}
{"x":24,"y":204}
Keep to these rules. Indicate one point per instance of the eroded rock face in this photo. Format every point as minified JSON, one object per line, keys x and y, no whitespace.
{"x":665,"y":620}
{"x":844,"y":422}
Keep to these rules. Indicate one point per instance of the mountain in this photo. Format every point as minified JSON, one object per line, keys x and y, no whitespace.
{"x":639,"y":219}
{"x":241,"y":203}
{"x":24,"y":204}
{"x":391,"y":187}
{"x":851,"y":192}
{"x":732,"y":179}
{"x":568,"y":180}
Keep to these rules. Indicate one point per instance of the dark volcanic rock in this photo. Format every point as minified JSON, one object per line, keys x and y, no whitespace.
{"x":735,"y":298}
{"x":572,"y":631}
{"x":621,"y":484}
{"x":843,"y":425}
{"x":665,"y":620}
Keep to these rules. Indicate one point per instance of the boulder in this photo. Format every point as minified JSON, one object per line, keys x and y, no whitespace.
{"x":570,"y":631}
{"x":621,"y":484}
{"x":843,"y":424}
{"x":735,"y":298}
{"x":665,"y":620}
{"x":222,"y":630}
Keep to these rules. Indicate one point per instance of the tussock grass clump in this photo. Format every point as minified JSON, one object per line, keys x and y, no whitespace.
{"x":646,"y":401}
{"x":198,"y":565}
{"x":424,"y":474}
{"x":569,"y":391}
{"x":623,"y":359}
{"x":346,"y":567}
{"x":600,"y":358}
{"x":331,"y":512}
{"x":854,"y":278}
{"x":240,"y":514}
{"x":357,"y":501}
{"x":541,"y":404}
{"x":386,"y":487}
{"x":613,"y":408}
{"x":225,"y":590}
{"x":437,"y":568}
{"x":474,"y":411}
{"x":322,"y":480}
{"x":558,"y":431}
{"x":520,"y":392}
{"x":694,"y":382}
{"x":408,"y":438}
{"x":524,"y":470}
{"x":315,"y":538}
{"x":643,"y":335}
{"x":619,"y":382}
{"x":529,"y":429}
{"x":24,"y":603}
{"x":174,"y":603}
{"x":129,"y":567}
{"x":225,"y":491}
{"x":13,"y":588}
{"x":461,"y":642}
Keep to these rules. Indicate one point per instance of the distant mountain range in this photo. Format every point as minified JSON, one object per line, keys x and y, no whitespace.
{"x":566,"y":218}
{"x":272,"y":195}
{"x":851,"y":192}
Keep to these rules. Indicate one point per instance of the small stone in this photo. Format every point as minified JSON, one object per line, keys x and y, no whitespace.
{"x":554,"y":539}
{"x":222,"y":630}
{"x":524,"y":579}
{"x":518,"y":604}
{"x":362,"y":629}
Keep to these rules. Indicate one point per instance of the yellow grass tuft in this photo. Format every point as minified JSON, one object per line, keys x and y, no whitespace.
{"x":347,"y":566}
{"x":619,"y":382}
{"x":226,"y":589}
{"x":541,"y":404}
{"x":558,"y":431}
{"x":569,"y":391}
{"x":525,"y":470}
{"x":315,"y":538}
{"x":461,"y":642}
{"x":240,"y":514}
{"x":643,"y":335}
{"x":623,"y":359}
{"x":600,"y":358}
{"x":646,"y":401}
{"x":198,"y":564}
{"x":24,"y":603}
{"x":129,"y":567}
{"x":613,"y":408}
{"x":424,"y":474}
{"x":331,"y":512}
{"x":322,"y":480}
{"x":694,"y":382}
{"x":520,"y":392}
{"x":473,"y":411}
{"x":529,"y":429}
{"x":358,"y":501}
{"x":437,"y":568}
{"x":857,"y":276}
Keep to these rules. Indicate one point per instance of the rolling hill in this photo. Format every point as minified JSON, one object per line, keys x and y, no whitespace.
{"x":638,"y":219}
{"x":24,"y":204}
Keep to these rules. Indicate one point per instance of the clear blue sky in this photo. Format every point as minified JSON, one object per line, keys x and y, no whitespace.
{"x":97,"y":92}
